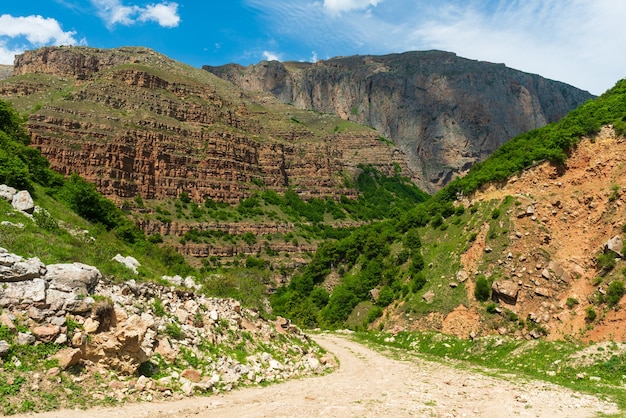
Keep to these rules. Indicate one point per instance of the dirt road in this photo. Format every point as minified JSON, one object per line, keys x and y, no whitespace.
{"x":368,"y":384}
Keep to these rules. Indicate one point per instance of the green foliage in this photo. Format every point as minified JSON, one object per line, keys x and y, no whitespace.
{"x":385,"y":297}
{"x":255,"y":263}
{"x":184,"y":197}
{"x":482,"y":291}
{"x":614,"y":292}
{"x":174,"y":331}
{"x":552,"y":142}
{"x":412,"y":240}
{"x":158,"y":308}
{"x":590,"y":314}
{"x":84,"y":199}
{"x":571,"y":302}
{"x":606,"y":261}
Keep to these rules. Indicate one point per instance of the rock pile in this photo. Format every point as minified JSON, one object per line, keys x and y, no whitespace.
{"x":153,"y":341}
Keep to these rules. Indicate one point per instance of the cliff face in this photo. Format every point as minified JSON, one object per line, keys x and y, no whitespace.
{"x":444,"y":112}
{"x":135,"y":122}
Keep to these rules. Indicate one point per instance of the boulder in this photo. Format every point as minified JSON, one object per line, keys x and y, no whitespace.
{"x":119,"y":350}
{"x":505,"y":291}
{"x":4,"y":348}
{"x":462,"y":276}
{"x":75,"y":278}
{"x":14,"y":268}
{"x":615,"y":244}
{"x":25,"y":338}
{"x":191,"y":375}
{"x":7,"y":192}
{"x":68,"y":357}
{"x":31,"y":291}
{"x":23,"y":201}
{"x":7,"y":321}
{"x":129,"y":262}
{"x":558,"y":271}
{"x":428,"y":296}
{"x":46,"y":333}
{"x":542,"y":291}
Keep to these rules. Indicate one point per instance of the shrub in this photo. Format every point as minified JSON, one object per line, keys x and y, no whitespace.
{"x":495,"y":214}
{"x":590,"y":314}
{"x":374,"y":313}
{"x":615,"y":292}
{"x":174,"y":331}
{"x":385,"y":297}
{"x":571,"y":302}
{"x":606,"y":262}
{"x":482,"y":292}
{"x":418,"y":282}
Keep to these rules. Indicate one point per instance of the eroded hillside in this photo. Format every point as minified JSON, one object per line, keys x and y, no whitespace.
{"x":540,"y":244}
{"x":565,"y":217}
{"x":147,"y":130}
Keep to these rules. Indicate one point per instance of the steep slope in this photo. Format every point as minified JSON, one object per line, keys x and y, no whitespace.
{"x":135,"y":122}
{"x":144,"y":128}
{"x":576,"y":211}
{"x":444,"y":112}
{"x":528,"y":244}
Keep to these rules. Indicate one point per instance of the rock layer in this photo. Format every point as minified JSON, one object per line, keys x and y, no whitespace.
{"x":135,"y":122}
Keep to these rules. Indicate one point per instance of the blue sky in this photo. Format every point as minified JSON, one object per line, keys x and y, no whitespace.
{"x":580,"y":42}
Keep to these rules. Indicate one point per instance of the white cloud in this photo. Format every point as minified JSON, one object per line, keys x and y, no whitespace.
{"x":19,"y":33}
{"x":165,"y":14}
{"x":115,"y":12}
{"x":338,"y":6}
{"x":270,"y":56}
{"x":575,"y":41}
{"x":36,"y":29}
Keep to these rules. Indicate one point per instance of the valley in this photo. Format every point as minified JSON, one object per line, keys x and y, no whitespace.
{"x":221,"y":211}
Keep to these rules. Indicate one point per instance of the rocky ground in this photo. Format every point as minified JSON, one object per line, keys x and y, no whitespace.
{"x":369,"y":383}
{"x":69,"y":337}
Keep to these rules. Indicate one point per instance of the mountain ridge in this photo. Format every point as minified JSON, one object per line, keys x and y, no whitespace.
{"x":444,"y":112}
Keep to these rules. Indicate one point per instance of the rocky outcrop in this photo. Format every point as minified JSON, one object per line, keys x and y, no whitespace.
{"x":121,"y":331}
{"x":149,"y":126}
{"x":444,"y":112}
{"x":29,"y":281}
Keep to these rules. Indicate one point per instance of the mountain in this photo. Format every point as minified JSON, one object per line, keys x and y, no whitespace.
{"x":529,"y":244}
{"x":187,"y":153}
{"x":444,"y":112}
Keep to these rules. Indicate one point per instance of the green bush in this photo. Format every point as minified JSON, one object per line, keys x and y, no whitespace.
{"x":385,"y":297}
{"x":614,"y":292}
{"x":482,"y":291}
{"x":590,"y":314}
{"x":606,"y":261}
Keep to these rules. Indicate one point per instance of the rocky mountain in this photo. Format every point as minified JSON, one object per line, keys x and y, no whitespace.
{"x":137,"y":123}
{"x":444,"y":112}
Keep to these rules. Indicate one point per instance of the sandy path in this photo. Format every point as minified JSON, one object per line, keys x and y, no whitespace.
{"x":369,"y":384}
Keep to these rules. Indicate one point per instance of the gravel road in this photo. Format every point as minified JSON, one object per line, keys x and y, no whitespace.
{"x":369,"y":384}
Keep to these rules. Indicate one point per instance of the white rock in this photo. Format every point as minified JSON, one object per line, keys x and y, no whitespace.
{"x":76,"y":278}
{"x":7,"y":192}
{"x":23,"y":201}
{"x":130,"y":262}
{"x":30,"y":291}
